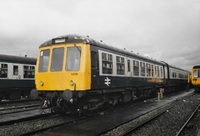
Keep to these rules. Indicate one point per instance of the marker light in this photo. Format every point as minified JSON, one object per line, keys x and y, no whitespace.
{"x":71,"y":82}
{"x":41,"y":83}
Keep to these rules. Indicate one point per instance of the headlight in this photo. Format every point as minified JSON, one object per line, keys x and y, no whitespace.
{"x":41,"y":83}
{"x":71,"y":82}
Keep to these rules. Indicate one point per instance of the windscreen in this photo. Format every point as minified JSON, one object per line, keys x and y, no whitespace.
{"x":44,"y":60}
{"x":73,"y":59}
{"x":57,"y":59}
{"x":196,"y":73}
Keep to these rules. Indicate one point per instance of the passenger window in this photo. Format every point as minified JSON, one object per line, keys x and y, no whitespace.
{"x":173,"y":74}
{"x":166,"y":72}
{"x":15,"y":70}
{"x":129,"y":65}
{"x":57,"y":59}
{"x":136,"y":68}
{"x":29,"y":71}
{"x":94,"y":60}
{"x":142,"y":69}
{"x":187,"y":75}
{"x":107,"y":63}
{"x":73,"y":58}
{"x":44,"y":60}
{"x":152,"y":69}
{"x":120,"y":65}
{"x":3,"y":70}
{"x":148,"y":70}
{"x":158,"y":71}
{"x":161,"y":71}
{"x":179,"y":75}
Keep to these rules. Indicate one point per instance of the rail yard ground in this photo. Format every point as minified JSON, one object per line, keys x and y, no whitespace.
{"x":148,"y":117}
{"x":168,"y":123}
{"x":121,"y":120}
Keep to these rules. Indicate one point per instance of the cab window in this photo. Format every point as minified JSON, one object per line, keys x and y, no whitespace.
{"x":196,"y":73}
{"x":73,"y":59}
{"x":44,"y":60}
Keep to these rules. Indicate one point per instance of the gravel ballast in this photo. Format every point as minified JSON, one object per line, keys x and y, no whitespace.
{"x":171,"y":121}
{"x":171,"y":118}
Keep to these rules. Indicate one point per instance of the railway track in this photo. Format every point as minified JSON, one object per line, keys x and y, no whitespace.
{"x":134,"y":124}
{"x":110,"y":122}
{"x":9,"y":108}
{"x":7,"y":102}
{"x":131,"y":129}
{"x":36,"y":123}
{"x":55,"y":120}
{"x":19,"y":120}
{"x":98,"y":124}
{"x":21,"y":116}
{"x":14,"y":109}
{"x":58,"y":121}
{"x":186,"y":124}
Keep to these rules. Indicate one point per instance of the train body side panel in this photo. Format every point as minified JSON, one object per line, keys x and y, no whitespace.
{"x":16,"y":84}
{"x":118,"y":81}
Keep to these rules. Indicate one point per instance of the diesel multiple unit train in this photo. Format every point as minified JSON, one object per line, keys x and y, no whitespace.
{"x":16,"y":76}
{"x":77,"y":72}
{"x":195,"y":77}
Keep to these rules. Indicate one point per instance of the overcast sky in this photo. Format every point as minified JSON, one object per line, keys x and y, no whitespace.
{"x":167,"y":30}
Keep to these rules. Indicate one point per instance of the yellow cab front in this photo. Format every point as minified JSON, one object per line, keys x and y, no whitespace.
{"x":63,"y":66}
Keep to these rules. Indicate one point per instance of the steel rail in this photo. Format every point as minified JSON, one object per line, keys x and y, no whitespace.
{"x":188,"y":121}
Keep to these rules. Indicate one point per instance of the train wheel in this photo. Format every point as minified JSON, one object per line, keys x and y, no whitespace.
{"x":34,"y":94}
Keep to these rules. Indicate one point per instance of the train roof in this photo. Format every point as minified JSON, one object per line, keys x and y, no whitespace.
{"x":196,"y":66}
{"x":17,"y":59}
{"x":86,"y":39}
{"x":74,"y":38}
{"x":177,"y":68}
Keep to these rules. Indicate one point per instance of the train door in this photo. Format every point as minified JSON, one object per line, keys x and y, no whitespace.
{"x":16,"y":71}
{"x":94,"y":68}
{"x":166,"y":73}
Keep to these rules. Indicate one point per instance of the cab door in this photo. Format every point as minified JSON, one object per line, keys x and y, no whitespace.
{"x":94,"y":68}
